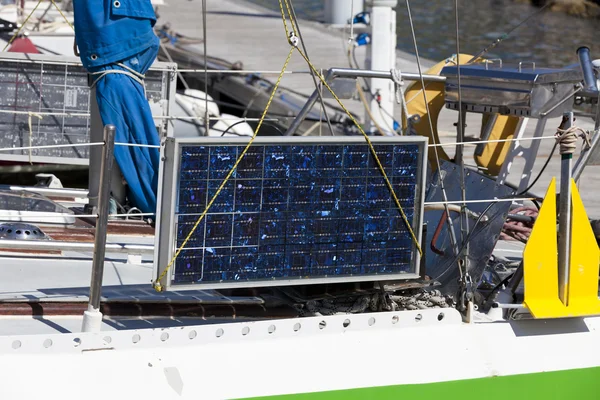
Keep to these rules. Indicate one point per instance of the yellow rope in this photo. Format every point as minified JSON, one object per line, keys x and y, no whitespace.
{"x":368,"y":140}
{"x":63,"y":15}
{"x":287,"y":5}
{"x":287,"y":32}
{"x":157,"y":285}
{"x":38,"y":116}
{"x":12,"y":39}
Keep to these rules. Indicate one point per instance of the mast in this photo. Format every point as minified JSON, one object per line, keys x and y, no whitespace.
{"x":382,"y":58}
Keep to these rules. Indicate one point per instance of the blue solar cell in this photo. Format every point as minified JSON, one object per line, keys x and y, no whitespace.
{"x":295,"y":211}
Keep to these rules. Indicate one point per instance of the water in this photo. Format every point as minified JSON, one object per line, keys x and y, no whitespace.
{"x":549,"y":39}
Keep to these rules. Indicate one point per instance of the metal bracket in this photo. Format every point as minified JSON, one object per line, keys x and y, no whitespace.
{"x":527,"y":62}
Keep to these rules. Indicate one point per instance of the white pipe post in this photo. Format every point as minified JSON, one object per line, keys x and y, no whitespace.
{"x":382,"y":58}
{"x":338,"y":12}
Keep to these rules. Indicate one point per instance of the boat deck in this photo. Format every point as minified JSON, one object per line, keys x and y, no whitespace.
{"x":238,"y":31}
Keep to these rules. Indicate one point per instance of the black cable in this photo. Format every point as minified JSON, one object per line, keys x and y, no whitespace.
{"x":541,"y":171}
{"x":240,"y":122}
{"x":498,"y":286}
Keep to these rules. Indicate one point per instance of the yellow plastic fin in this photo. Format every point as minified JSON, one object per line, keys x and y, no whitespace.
{"x":540,"y":262}
{"x":585,"y":255}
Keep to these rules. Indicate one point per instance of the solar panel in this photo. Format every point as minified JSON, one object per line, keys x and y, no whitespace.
{"x":297,"y":210}
{"x":57,"y":88}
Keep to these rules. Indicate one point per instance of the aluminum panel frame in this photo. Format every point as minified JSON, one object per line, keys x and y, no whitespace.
{"x":165,"y":238}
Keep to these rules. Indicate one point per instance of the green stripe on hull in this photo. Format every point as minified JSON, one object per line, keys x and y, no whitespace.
{"x":579,"y":384}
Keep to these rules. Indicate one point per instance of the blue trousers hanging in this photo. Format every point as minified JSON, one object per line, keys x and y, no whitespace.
{"x":122,"y":102}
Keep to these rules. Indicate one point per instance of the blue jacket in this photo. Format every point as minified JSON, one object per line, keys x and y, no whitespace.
{"x":109,"y":31}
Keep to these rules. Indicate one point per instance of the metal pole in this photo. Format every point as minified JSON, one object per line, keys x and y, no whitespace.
{"x":485,"y":135}
{"x":307,"y":107}
{"x":333,"y":73}
{"x":92,"y":318}
{"x":585,"y":61}
{"x":337,"y":12}
{"x":564,"y":220}
{"x":382,"y":58}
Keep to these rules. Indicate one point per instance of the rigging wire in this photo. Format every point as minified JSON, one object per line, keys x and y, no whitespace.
{"x":502,"y":37}
{"x":12,"y":39}
{"x":459,"y":153}
{"x":207,"y":117}
{"x":312,"y":74}
{"x":437,"y":156}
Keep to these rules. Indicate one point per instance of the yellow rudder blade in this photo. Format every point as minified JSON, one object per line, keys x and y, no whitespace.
{"x":540,"y":262}
{"x":585,"y":255}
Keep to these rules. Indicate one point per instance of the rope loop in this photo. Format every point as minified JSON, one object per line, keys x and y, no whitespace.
{"x":30,"y":116}
{"x":567,"y":139}
{"x":398,"y":83}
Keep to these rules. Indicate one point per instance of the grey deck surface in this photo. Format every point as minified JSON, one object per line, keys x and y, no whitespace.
{"x":238,"y":30}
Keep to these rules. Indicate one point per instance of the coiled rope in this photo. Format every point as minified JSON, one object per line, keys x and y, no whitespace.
{"x":567,"y":139}
{"x":421,"y":300}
